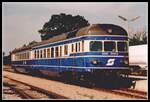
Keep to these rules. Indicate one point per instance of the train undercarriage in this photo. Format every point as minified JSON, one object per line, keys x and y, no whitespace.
{"x":105,"y":78}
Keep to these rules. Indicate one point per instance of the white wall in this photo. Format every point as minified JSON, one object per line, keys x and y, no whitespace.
{"x":138,"y":55}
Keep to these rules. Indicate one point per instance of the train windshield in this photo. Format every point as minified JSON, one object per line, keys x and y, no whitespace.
{"x":95,"y":46}
{"x":109,"y":46}
{"x":122,"y":46}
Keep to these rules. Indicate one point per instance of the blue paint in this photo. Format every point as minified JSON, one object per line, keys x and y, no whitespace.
{"x":76,"y":63}
{"x":100,"y":53}
{"x":67,"y":64}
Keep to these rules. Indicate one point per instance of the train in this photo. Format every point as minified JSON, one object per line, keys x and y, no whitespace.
{"x":97,"y":50}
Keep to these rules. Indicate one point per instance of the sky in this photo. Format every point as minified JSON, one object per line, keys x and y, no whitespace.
{"x":21,"y":21}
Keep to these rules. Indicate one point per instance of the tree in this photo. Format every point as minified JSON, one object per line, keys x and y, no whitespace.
{"x":138,"y":38}
{"x":32,"y":42}
{"x":62,"y":23}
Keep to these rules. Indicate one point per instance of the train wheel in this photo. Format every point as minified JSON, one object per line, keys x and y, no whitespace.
{"x":15,"y":70}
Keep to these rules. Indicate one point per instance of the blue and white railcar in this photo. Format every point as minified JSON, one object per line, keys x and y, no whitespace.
{"x":96,"y":49}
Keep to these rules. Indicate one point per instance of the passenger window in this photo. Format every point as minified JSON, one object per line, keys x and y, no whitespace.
{"x":48,"y":53}
{"x":56,"y":52}
{"x":82,"y":46}
{"x":76,"y":47}
{"x":44,"y":53}
{"x":27,"y":55}
{"x":72,"y":47}
{"x":35,"y":54}
{"x":60,"y":51}
{"x":66,"y":49}
{"x":79,"y":46}
{"x":38,"y":54}
{"x":24,"y":55}
{"x":52,"y":52}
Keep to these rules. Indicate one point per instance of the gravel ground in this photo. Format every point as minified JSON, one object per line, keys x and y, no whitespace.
{"x":142,"y":84}
{"x":26,"y":89}
{"x":71,"y":91}
{"x":9,"y":94}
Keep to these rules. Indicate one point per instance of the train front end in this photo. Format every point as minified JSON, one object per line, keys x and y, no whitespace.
{"x":107,"y":51}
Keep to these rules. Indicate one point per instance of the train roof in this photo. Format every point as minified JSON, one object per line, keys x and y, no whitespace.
{"x":94,"y":29}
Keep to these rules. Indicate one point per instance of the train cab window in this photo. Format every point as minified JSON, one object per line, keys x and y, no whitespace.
{"x":109,"y":46}
{"x":48,"y":53}
{"x":66,"y":49}
{"x":122,"y":46}
{"x":52,"y":52}
{"x":44,"y":53}
{"x":95,"y":46}
{"x":56,"y":52}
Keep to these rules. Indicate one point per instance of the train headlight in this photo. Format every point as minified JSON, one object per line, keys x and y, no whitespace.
{"x":126,"y":61}
{"x":95,"y":62}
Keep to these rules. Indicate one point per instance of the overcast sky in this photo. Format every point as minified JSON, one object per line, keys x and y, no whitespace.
{"x":21,"y":21}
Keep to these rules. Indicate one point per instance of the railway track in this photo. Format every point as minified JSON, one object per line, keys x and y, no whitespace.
{"x":122,"y":91}
{"x":131,"y":93}
{"x":19,"y":92}
{"x":32,"y":91}
{"x":126,"y":92}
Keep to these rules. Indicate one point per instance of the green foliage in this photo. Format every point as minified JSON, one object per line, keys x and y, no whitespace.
{"x":62,"y":23}
{"x":32,"y":42}
{"x":138,"y":38}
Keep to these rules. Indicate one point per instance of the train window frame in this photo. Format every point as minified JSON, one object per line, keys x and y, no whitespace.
{"x":126,"y":46}
{"x":96,"y":41}
{"x":115,"y":50}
